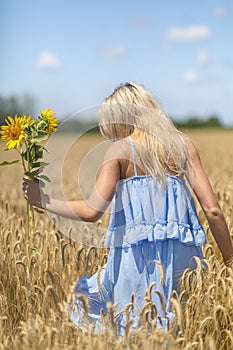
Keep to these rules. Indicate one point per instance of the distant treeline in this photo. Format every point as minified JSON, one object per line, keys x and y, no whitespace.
{"x":26,"y":104}
{"x":78,"y":126}
{"x":12,"y":105}
{"x":195,"y":122}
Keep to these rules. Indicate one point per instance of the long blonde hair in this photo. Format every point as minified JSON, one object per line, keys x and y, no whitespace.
{"x":131,"y":109}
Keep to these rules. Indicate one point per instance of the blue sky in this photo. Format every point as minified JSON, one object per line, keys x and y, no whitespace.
{"x":70,"y":54}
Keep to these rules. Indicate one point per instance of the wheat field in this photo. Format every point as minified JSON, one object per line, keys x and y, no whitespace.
{"x":35,"y":288}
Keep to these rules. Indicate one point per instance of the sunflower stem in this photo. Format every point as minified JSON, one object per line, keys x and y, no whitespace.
{"x":28,"y":204}
{"x":23,"y":162}
{"x":30,"y":220}
{"x":27,"y":225}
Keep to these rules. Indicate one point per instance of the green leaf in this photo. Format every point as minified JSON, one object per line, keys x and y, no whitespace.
{"x":38,"y":181}
{"x":40,"y":211}
{"x":39,"y":165}
{"x":41,"y":183}
{"x":24,"y":155}
{"x":9,"y":163}
{"x":29,"y":174}
{"x":44,"y":177}
{"x":35,"y":153}
{"x":40,"y":138}
{"x":34,"y":173}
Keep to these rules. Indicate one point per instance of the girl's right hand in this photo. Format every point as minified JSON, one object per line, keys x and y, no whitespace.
{"x":32,"y":192}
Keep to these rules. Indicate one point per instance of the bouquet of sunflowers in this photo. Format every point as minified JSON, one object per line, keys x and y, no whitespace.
{"x":27,"y":135}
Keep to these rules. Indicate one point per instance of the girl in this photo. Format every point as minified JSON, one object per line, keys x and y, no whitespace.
{"x":153,"y":220}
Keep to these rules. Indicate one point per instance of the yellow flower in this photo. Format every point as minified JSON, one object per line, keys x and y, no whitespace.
{"x":13,"y":132}
{"x":27,"y":121}
{"x":52,"y":122}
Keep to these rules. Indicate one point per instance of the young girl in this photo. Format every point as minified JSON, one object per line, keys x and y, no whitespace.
{"x":153,"y":220}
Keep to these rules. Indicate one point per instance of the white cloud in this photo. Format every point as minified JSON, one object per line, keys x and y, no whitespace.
{"x":114,"y":51}
{"x":48,"y":60}
{"x":203,"y":58}
{"x":189,"y":34}
{"x":221,"y":12}
{"x":190,"y":77}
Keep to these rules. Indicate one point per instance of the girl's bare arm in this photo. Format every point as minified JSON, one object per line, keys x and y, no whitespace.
{"x":87,"y":210}
{"x":207,"y":199}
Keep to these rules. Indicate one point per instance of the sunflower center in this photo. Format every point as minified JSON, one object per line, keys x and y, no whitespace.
{"x":15,"y":132}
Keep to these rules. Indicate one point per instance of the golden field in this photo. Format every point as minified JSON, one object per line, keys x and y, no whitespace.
{"x":34,"y":288}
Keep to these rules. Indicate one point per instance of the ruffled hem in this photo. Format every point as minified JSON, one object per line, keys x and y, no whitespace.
{"x":158,"y":231}
{"x":82,"y":321}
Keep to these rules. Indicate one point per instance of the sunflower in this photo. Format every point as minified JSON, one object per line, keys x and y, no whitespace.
{"x":52,"y":122}
{"x":13,"y":132}
{"x":27,"y":121}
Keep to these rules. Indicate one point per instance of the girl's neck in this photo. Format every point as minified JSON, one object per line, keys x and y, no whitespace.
{"x":138,"y":136}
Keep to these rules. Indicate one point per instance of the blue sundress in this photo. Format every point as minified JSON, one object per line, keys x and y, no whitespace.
{"x":150,"y":224}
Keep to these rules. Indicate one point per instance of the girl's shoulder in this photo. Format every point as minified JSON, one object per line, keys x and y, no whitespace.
{"x":121,"y":150}
{"x":190,"y":145}
{"x":118,"y":151}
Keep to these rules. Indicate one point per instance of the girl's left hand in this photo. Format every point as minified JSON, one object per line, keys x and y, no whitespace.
{"x":32,"y":192}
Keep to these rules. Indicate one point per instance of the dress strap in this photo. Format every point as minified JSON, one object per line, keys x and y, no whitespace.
{"x":133,"y":155}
